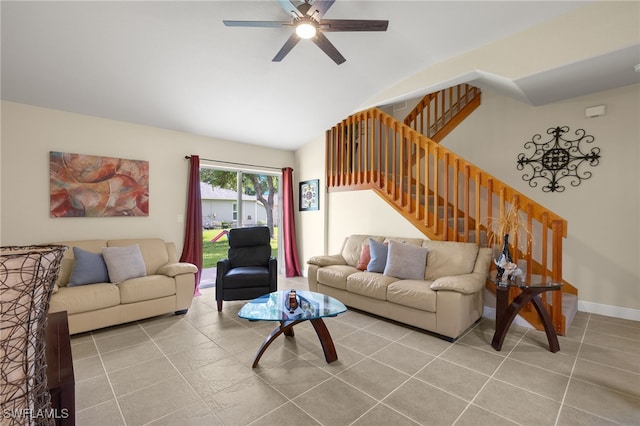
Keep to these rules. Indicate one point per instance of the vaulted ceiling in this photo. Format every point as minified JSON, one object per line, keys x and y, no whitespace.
{"x":174,"y":65}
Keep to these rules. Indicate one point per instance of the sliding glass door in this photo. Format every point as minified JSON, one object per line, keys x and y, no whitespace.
{"x":237,"y":198}
{"x":262,"y":201}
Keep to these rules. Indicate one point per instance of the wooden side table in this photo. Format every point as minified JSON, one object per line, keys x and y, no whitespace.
{"x":60,"y":378}
{"x":506,"y":313}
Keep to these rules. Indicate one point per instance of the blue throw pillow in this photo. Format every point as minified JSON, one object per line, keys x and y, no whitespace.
{"x":88,"y":268}
{"x":378,"y":256}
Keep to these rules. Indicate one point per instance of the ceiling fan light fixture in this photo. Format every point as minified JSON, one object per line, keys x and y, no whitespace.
{"x":307,"y":22}
{"x":306,"y":30}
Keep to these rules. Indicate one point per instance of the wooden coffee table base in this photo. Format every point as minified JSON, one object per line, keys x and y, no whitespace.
{"x":286,"y":328}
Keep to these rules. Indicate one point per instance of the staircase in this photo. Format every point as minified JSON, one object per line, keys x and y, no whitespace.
{"x":440,"y":112}
{"x":445,"y":196}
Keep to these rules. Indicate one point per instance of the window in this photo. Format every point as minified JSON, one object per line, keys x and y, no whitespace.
{"x":237,"y":198}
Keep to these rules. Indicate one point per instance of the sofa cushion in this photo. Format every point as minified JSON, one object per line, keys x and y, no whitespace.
{"x":146,"y":288}
{"x":335,"y":275}
{"x":412,"y":293}
{"x":406,"y":261}
{"x":411,"y":241}
{"x":447,"y":258}
{"x":369,"y":284}
{"x":247,"y":277}
{"x":124,"y":263}
{"x":88,"y":268}
{"x":85,"y":298}
{"x":379,"y":253}
{"x":249,"y":247}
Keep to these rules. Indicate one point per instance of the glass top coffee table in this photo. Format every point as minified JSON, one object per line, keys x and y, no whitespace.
{"x":291,"y":309}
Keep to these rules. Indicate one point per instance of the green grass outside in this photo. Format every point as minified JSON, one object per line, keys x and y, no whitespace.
{"x":212,"y":252}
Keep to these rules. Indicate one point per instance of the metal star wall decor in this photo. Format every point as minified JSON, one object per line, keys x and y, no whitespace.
{"x":558,"y":158}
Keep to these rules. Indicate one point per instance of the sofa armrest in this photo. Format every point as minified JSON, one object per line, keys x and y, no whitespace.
{"x":465,"y":284}
{"x":178,"y":268}
{"x":312,"y":277}
{"x":335,"y":259}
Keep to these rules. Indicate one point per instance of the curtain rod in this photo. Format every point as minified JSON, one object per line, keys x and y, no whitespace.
{"x":236,"y":164}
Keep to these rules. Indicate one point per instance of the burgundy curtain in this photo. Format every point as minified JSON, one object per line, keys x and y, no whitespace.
{"x":192,"y":248}
{"x":292,"y":268}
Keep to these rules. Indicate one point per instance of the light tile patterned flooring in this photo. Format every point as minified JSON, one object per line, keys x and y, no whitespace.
{"x":196,"y":370}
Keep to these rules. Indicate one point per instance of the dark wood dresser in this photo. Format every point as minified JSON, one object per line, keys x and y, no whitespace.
{"x":60,"y":379}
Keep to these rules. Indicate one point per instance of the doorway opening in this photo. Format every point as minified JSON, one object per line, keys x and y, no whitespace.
{"x":236,"y":198}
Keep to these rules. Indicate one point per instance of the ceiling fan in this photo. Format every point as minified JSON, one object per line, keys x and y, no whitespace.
{"x":308,"y":23}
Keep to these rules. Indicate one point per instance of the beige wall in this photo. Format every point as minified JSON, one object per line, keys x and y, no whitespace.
{"x":598,"y":28}
{"x":29,"y":133}
{"x":602,"y":250}
{"x":311,"y":225}
{"x":346,"y":216}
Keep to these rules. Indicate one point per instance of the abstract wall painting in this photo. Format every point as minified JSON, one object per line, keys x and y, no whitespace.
{"x":94,"y":186}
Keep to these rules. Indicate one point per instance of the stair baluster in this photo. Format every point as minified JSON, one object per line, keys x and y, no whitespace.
{"x":430,"y":185}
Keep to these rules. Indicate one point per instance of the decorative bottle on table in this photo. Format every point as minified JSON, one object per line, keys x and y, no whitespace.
{"x":503,"y":259}
{"x":293,"y":301}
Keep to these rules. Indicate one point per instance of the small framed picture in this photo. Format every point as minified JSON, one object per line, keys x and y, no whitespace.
{"x":309,"y":195}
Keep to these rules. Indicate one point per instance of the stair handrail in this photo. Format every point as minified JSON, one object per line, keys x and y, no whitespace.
{"x":433,"y":115}
{"x":370,"y":150}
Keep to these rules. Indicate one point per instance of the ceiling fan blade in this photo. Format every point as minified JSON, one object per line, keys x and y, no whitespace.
{"x":261,"y":24}
{"x":288,"y":45}
{"x":329,"y":25}
{"x":320,"y":7}
{"x":327,"y":47}
{"x":290,"y":8}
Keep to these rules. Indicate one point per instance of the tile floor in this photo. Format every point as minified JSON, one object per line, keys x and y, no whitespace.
{"x":196,"y":370}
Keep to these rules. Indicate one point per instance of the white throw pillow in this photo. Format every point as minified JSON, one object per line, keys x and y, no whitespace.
{"x":124,"y":263}
{"x":406,"y":261}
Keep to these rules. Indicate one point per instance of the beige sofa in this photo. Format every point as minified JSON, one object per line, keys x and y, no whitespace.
{"x":166,"y":287}
{"x":446,"y":300}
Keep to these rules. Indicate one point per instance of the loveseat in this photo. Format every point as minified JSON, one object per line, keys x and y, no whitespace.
{"x":437,"y":286}
{"x":108,"y":282}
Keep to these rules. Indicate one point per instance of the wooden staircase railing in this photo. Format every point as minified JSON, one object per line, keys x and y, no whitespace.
{"x":440,"y":112}
{"x":443,"y":195}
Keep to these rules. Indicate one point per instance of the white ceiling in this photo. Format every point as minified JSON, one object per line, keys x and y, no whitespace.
{"x":174,"y":65}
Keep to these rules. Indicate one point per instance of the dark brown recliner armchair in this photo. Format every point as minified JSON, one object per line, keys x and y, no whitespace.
{"x":249,"y":271}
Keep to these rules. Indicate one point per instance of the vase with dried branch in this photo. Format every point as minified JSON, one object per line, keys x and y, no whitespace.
{"x":510,"y":224}
{"x":27,"y":277}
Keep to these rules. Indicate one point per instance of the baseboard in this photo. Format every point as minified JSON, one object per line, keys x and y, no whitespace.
{"x":609,"y":310}
{"x":206,"y":285}
{"x":590,"y":307}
